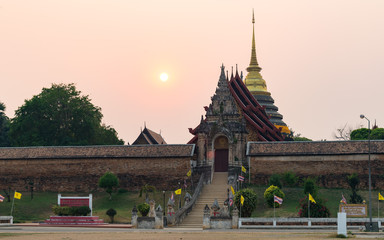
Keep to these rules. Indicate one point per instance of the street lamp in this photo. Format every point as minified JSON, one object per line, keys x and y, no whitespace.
{"x":369,"y":172}
{"x":163,"y":203}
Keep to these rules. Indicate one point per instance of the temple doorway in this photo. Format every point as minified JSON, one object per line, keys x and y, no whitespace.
{"x":221,"y":154}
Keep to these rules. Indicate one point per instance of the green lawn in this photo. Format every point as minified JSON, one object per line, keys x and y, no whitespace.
{"x":38,"y":209}
{"x":290,"y":206}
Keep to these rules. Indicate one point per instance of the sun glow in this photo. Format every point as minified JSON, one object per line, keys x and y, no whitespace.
{"x":164,"y":77}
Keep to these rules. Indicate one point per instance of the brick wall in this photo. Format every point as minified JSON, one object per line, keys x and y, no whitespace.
{"x":329,"y":162}
{"x":82,"y":172}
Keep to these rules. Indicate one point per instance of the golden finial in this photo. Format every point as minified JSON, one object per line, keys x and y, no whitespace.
{"x":253,"y":16}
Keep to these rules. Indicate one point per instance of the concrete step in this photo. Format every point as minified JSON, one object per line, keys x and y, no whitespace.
{"x":218,"y":189}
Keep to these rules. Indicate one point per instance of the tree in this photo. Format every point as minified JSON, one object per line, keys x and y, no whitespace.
{"x":353,"y":182}
{"x":4,"y":127}
{"x":310,"y":187}
{"x":343,"y":133}
{"x":109,"y":182}
{"x":360,"y":134}
{"x":60,"y":116}
{"x":146,"y":189}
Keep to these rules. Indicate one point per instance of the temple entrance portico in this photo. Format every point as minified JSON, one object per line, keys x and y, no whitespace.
{"x":221,"y":154}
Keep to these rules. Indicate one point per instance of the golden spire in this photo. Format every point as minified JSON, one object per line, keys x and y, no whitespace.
{"x":254,"y":81}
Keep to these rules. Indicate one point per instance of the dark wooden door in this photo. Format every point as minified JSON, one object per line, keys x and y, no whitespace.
{"x":221,"y":160}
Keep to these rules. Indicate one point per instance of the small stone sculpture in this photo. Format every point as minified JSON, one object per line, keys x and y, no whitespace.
{"x":152,"y":212}
{"x":215,"y":209}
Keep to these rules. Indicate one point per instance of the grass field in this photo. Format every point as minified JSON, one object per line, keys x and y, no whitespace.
{"x":38,"y":209}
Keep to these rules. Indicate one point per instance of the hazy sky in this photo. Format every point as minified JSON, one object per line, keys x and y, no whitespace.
{"x":322,"y":60}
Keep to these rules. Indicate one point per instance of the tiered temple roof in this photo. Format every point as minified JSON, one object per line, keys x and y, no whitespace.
{"x":148,"y":136}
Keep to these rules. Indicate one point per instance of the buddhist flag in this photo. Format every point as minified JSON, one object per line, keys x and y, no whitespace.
{"x":381,"y":197}
{"x":242,"y":200}
{"x":233,"y":191}
{"x":243,"y":169}
{"x":178,"y":191}
{"x":189,"y":173}
{"x":311,"y":198}
{"x":17,"y":195}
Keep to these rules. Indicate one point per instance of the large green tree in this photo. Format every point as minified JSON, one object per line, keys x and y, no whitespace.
{"x":60,"y":116}
{"x":4,"y":127}
{"x":364,"y":134}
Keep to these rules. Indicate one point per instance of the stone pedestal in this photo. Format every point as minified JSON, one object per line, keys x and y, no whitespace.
{"x":206,"y":218}
{"x":134,"y":217}
{"x":235,"y":218}
{"x":159,"y":223}
{"x":146,"y":222}
{"x":342,"y":223}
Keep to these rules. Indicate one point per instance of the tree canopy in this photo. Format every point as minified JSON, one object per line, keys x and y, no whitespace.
{"x":4,"y":127}
{"x":109,"y":181}
{"x":364,"y":134}
{"x":60,"y":116}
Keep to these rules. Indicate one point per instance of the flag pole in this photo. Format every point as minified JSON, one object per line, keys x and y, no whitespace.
{"x":274,"y":211}
{"x":309,"y":213}
{"x":13,"y":203}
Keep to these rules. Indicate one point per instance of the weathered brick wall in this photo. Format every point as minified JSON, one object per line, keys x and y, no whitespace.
{"x":329,"y":162}
{"x":67,"y":175}
{"x":135,"y":166}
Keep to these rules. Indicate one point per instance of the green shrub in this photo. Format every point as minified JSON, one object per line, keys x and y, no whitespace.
{"x":143,"y":209}
{"x":275,"y":180}
{"x":71,"y":211}
{"x":353,"y":182}
{"x":270,"y":192}
{"x":111,"y":213}
{"x":317,"y":210}
{"x":122,"y":190}
{"x":310,"y":187}
{"x":290,"y":179}
{"x":250,"y":201}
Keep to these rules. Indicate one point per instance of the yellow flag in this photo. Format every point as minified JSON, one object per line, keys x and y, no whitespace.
{"x":311,"y":198}
{"x":17,"y":195}
{"x":242,"y":200}
{"x":243,"y":169}
{"x":189,"y":173}
{"x":381,"y":197}
{"x":178,"y":191}
{"x":233,"y":191}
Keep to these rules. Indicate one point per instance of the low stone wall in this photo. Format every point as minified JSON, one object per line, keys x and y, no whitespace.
{"x":71,"y":169}
{"x":329,"y":162}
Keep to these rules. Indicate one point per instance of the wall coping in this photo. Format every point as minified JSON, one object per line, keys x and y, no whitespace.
{"x":116,"y":151}
{"x":313,"y":148}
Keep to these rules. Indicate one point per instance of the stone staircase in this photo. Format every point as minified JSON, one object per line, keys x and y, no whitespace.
{"x":217,"y":189}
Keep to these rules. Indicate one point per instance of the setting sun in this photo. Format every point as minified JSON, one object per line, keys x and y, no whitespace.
{"x":164,"y":77}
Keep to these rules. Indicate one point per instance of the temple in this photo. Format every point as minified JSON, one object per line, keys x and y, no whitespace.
{"x":258,"y":88}
{"x":148,"y":136}
{"x":232,"y":119}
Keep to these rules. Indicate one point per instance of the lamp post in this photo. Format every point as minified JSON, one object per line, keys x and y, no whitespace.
{"x":369,"y":172}
{"x":164,"y":203}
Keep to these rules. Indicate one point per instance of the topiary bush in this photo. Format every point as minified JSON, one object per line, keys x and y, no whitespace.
{"x":111,"y":213}
{"x":250,"y":201}
{"x":143,"y":209}
{"x":310,"y":187}
{"x":290,"y":179}
{"x":270,"y":192}
{"x":275,"y":180}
